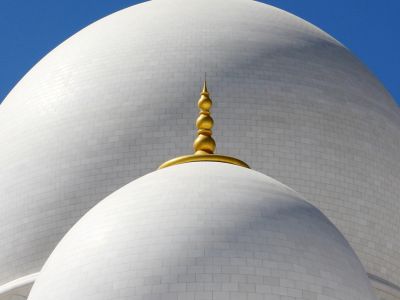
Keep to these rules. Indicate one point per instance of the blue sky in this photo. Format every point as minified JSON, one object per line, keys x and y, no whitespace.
{"x":30,"y":29}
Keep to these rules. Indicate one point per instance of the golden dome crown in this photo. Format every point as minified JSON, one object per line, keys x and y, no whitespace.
{"x":204,"y":145}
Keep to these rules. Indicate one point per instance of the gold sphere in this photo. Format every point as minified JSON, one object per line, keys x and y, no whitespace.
{"x":204,"y":143}
{"x":204,"y":122}
{"x":204,"y":103}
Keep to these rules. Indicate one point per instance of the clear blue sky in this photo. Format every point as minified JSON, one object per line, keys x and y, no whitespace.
{"x":30,"y":29}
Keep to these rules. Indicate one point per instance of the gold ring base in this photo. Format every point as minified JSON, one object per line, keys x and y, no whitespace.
{"x":204,"y":157}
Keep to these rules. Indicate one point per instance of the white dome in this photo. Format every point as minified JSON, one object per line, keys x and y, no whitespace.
{"x":118,"y":98}
{"x":203,"y":231}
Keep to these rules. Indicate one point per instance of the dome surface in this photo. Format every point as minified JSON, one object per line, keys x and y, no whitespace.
{"x":116,"y":99}
{"x":203,"y":231}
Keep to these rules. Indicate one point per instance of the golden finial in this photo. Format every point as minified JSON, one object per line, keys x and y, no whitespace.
{"x":204,"y":145}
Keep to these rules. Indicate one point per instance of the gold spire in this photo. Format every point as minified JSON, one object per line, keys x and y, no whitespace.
{"x":204,"y":145}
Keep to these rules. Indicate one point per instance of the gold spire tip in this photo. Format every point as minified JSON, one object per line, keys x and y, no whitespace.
{"x":205,"y":90}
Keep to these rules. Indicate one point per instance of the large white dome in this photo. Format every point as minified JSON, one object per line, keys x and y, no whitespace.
{"x":203,"y":231}
{"x":116,"y":99}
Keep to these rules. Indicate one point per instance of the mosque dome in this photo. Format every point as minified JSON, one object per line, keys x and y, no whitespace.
{"x":203,"y":230}
{"x":111,"y":102}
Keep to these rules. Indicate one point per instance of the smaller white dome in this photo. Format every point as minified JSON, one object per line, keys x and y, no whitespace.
{"x":203,"y":231}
